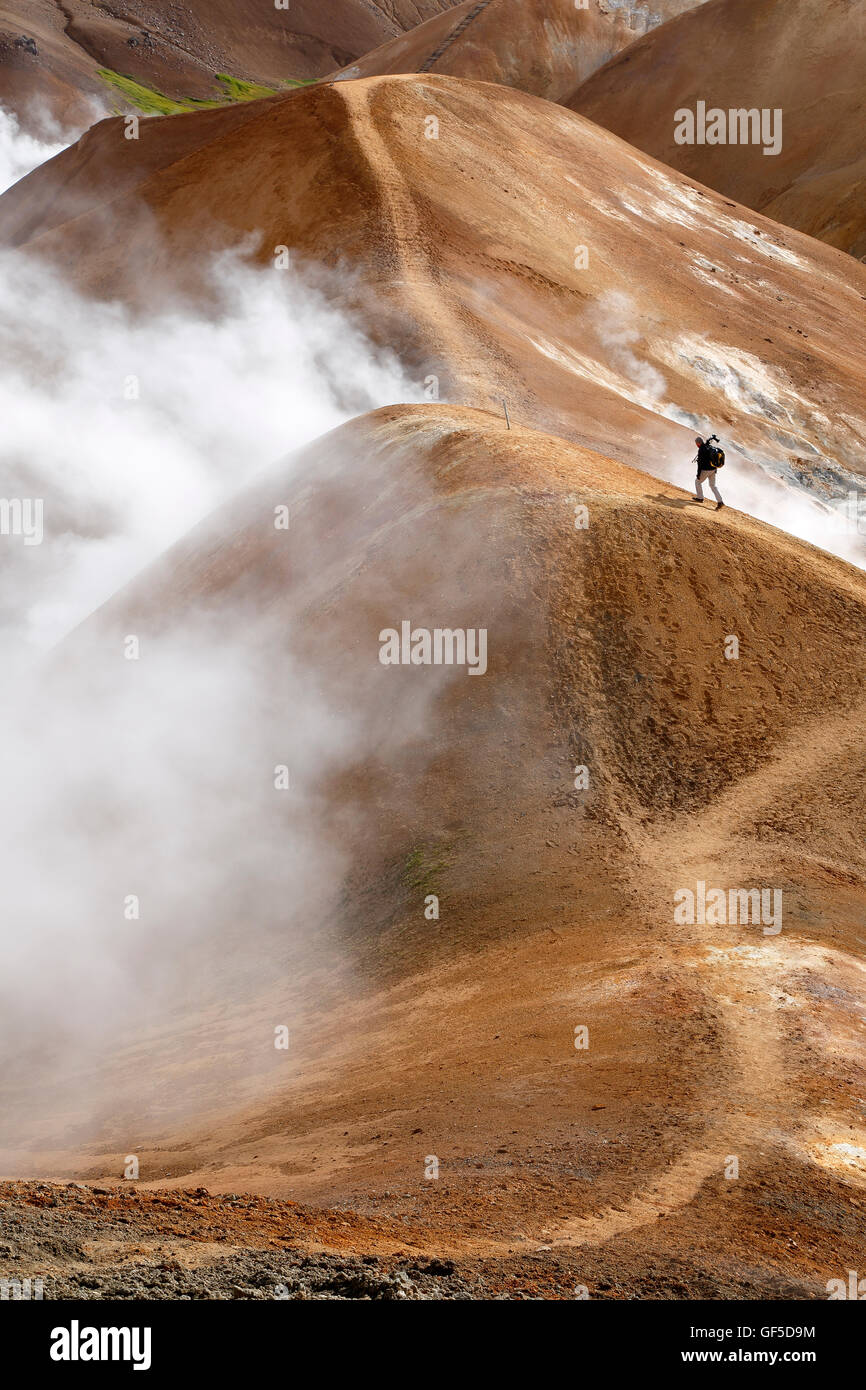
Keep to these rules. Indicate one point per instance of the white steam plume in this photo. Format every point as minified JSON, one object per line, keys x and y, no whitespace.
{"x":767,"y":489}
{"x":20,"y":152}
{"x":837,"y":526}
{"x":130,"y":428}
{"x":154,"y":778}
{"x":613,"y":320}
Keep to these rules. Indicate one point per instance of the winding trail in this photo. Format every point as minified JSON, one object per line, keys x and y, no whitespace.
{"x":696,"y":848}
{"x":751,"y":1104}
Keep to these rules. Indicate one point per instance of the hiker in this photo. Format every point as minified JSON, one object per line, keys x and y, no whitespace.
{"x":708,"y":459}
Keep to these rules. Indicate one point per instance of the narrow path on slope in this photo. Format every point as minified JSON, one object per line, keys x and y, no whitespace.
{"x":694,"y":848}
{"x":758,"y":1085}
{"x":454,"y":35}
{"x":428,"y":302}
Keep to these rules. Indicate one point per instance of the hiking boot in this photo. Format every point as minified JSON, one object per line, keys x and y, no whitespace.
{"x":719,"y":506}
{"x":697,"y":499}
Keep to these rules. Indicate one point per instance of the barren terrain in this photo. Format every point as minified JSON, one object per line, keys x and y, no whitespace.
{"x":512,"y":1067}
{"x":804,"y":58}
{"x":455,"y":1038}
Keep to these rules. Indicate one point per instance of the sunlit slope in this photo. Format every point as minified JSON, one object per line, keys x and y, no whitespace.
{"x":519,"y":252}
{"x":651,"y":579}
{"x":538,"y":47}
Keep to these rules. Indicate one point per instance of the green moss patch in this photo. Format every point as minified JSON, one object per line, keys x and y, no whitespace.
{"x":153,"y":103}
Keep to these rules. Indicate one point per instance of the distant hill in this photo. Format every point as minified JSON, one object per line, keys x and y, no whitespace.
{"x":68,"y":60}
{"x":524,"y":253}
{"x":806,"y":58}
{"x":540,"y":46}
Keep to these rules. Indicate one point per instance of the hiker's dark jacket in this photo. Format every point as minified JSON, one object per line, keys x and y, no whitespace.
{"x":706,"y":458}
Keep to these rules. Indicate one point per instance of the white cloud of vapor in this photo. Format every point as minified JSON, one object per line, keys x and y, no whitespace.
{"x":132,"y":427}
{"x":21,"y":152}
{"x":154,"y":778}
{"x":612,"y":317}
{"x":762,"y":490}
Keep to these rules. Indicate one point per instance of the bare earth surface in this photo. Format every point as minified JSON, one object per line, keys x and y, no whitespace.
{"x":51,"y":51}
{"x":555,"y":1088}
{"x":525,"y":253}
{"x":806,"y":58}
{"x":124,"y":1243}
{"x":544,"y":47}
{"x":454,"y":1039}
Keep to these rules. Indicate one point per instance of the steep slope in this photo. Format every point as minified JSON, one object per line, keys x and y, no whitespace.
{"x":806,"y":58}
{"x":542,"y":48}
{"x":63,"y":57}
{"x":454,"y":1037}
{"x":519,"y":252}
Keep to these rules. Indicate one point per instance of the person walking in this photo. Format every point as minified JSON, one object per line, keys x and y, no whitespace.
{"x":708,"y":460}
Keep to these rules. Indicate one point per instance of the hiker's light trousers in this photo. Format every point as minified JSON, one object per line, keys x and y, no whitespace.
{"x":708,"y":475}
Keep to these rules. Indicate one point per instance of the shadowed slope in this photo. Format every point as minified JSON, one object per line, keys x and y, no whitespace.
{"x":539,"y":46}
{"x":806,"y":58}
{"x":52,"y":54}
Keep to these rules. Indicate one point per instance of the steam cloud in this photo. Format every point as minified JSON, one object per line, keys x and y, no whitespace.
{"x":752,"y":488}
{"x":152,"y":778}
{"x":21,"y":152}
{"x":837,"y":525}
{"x":613,"y":319}
{"x":133,"y":428}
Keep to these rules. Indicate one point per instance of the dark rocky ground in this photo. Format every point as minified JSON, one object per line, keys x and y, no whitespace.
{"x":107,"y":1243}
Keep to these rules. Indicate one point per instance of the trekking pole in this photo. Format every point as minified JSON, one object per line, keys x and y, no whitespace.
{"x":505,"y":408}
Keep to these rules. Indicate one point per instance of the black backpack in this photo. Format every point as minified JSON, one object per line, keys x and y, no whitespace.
{"x":715,"y":452}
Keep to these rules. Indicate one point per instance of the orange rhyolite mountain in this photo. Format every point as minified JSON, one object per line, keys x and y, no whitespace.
{"x":551,"y":1077}
{"x":505,"y":247}
{"x":539,"y":46}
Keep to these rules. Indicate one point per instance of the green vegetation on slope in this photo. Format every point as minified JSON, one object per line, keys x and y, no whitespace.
{"x":239,"y":90}
{"x":423,"y":867}
{"x":153,"y":103}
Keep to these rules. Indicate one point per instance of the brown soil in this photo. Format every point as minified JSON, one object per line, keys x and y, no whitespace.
{"x":178,"y":50}
{"x":462,"y":253}
{"x":454,"y":1039}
